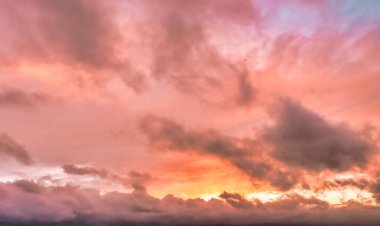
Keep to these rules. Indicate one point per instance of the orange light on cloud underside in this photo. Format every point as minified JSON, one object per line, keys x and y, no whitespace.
{"x":192,"y":176}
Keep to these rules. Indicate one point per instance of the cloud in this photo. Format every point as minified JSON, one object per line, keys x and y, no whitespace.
{"x":246,"y":92}
{"x":296,"y":201}
{"x":244,"y":154}
{"x":133,"y":179}
{"x":303,"y":139}
{"x":339,"y":183}
{"x":184,"y":39}
{"x":181,"y":46}
{"x":236,"y":200}
{"x":11,"y":148}
{"x":375,"y":189}
{"x":27,"y":201}
{"x":82,"y":36}
{"x":29,"y":186}
{"x":164,"y":40}
{"x":299,"y":139}
{"x":75,"y":31}
{"x":15,"y":98}
{"x":85,"y":170}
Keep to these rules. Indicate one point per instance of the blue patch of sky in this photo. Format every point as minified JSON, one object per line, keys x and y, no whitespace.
{"x":360,"y":10}
{"x":289,"y":17}
{"x":306,"y":19}
{"x":357,"y":16}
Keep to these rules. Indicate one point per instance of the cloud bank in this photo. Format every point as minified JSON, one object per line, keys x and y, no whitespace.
{"x":28,"y":201}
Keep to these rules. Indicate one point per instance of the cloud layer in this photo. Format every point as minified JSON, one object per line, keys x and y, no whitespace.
{"x":27,"y":201}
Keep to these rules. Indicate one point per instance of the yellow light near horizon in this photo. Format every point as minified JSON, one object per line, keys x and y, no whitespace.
{"x":207,"y":197}
{"x":264,"y":196}
{"x":339,"y":197}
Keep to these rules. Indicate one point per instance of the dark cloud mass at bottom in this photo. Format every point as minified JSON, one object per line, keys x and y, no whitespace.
{"x":29,"y":203}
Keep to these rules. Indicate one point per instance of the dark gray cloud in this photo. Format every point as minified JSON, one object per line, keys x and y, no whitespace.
{"x":284,"y":179}
{"x":10,"y":97}
{"x":82,"y":35}
{"x":246,"y":92}
{"x":84,"y":170}
{"x":341,"y":183}
{"x":29,"y":186}
{"x":236,"y":200}
{"x":28,"y":201}
{"x":183,"y":52}
{"x":168,"y":134}
{"x":169,"y":40}
{"x":11,"y":148}
{"x":76,"y":31}
{"x":244,"y":154}
{"x":303,"y":139}
{"x":81,"y":30}
{"x":296,"y":201}
{"x":375,"y":189}
{"x":89,"y":37}
{"x":133,"y":179}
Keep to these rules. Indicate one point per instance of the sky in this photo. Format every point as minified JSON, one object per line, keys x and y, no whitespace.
{"x":193,"y":112}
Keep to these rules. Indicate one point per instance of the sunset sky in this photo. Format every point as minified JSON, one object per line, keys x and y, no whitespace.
{"x":190,"y":112}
